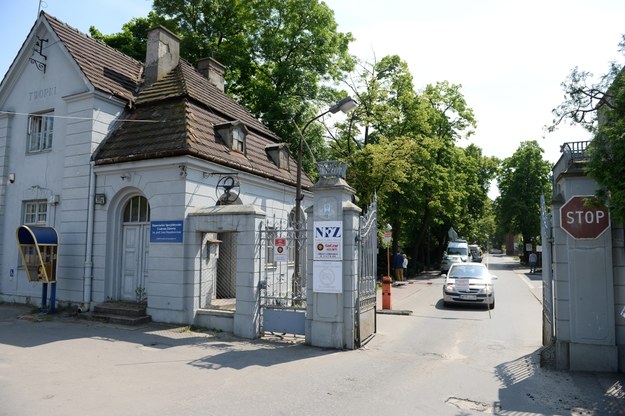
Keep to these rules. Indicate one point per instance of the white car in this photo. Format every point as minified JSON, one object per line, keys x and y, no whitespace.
{"x":469,"y":283}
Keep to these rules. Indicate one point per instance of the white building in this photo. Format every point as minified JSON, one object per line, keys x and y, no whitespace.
{"x":156,"y":181}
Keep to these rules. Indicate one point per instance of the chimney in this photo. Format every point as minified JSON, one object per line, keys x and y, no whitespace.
{"x":212,"y":70}
{"x":162,"y":54}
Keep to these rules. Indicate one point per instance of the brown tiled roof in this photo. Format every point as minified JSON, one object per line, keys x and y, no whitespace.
{"x":105,"y":67}
{"x":176,"y":116}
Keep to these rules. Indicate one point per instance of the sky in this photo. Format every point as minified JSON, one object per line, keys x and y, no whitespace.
{"x":509,"y":56}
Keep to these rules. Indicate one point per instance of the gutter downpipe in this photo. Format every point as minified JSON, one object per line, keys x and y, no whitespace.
{"x":88,"y":271}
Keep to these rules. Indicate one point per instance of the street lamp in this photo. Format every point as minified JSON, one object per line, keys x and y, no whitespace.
{"x":345,"y":105}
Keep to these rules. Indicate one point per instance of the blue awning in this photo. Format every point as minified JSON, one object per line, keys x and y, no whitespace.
{"x":29,"y":234}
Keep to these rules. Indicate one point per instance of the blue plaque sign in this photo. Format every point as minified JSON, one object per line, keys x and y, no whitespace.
{"x":166,"y":231}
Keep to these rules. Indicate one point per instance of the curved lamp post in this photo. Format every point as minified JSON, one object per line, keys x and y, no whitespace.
{"x":345,"y":105}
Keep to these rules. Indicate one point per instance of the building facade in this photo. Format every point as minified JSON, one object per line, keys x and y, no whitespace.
{"x":156,"y":181}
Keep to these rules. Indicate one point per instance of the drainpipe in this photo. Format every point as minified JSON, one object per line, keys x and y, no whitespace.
{"x":88,"y":272}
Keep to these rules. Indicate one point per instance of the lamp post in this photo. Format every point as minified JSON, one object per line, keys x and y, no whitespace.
{"x":345,"y":105}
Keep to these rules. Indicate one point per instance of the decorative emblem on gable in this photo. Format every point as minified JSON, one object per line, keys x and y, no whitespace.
{"x":38,"y":49}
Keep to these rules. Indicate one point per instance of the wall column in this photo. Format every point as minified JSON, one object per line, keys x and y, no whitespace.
{"x":332,"y":269}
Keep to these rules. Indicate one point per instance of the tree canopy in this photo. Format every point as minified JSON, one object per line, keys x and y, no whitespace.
{"x":600,"y":108}
{"x":285,"y":61}
{"x":522,"y":179}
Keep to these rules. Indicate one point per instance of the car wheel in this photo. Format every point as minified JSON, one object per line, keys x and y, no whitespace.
{"x":492,"y":305}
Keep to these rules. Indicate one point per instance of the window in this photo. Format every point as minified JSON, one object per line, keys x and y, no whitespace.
{"x":271,"y":238}
{"x":238,"y":139}
{"x":233,"y":135}
{"x":40,"y":129}
{"x":137,"y":210}
{"x":36,"y":212}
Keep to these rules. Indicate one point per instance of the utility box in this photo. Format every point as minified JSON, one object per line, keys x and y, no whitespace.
{"x":39,"y":250}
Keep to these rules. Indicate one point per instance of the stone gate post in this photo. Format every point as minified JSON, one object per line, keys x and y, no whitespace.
{"x":332,"y":269}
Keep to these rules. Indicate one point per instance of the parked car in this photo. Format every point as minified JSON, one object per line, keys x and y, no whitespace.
{"x":457,"y":252}
{"x":475,"y":253}
{"x":469,"y":283}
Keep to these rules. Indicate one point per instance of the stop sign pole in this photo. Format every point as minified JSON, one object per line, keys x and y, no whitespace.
{"x":584,"y":218}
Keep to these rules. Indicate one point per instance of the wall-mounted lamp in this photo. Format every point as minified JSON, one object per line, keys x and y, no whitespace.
{"x":11,"y":177}
{"x":100,"y":199}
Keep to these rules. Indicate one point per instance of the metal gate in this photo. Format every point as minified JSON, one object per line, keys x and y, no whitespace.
{"x":365,"y":319}
{"x":547,"y":354}
{"x":283,"y":288}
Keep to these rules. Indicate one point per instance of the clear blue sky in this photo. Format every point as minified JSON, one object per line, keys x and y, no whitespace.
{"x":509,"y":56}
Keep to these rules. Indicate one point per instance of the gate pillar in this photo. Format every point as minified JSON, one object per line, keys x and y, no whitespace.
{"x":332,"y":269}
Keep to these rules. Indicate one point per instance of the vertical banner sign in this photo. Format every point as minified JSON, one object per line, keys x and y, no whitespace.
{"x":280,"y":250}
{"x":327,"y":257}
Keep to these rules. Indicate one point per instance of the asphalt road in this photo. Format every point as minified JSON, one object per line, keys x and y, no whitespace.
{"x":424,"y":360}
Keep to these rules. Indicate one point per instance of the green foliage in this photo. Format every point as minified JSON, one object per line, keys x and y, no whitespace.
{"x":523,"y":178}
{"x":281,"y":55}
{"x":600,"y":108}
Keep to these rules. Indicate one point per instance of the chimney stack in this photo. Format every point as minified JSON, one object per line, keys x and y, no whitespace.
{"x":212,"y":70}
{"x":162,"y":54}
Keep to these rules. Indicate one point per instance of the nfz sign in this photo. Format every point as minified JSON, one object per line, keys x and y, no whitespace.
{"x":328,"y":239}
{"x":583,"y":217}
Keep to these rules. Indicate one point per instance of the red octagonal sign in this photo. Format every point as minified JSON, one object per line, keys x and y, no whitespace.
{"x":584,"y":220}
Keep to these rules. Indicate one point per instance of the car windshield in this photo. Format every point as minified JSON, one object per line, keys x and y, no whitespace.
{"x":456,"y":251}
{"x":468,"y":272}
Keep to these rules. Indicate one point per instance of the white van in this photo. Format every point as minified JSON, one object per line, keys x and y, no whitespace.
{"x":457,"y":251}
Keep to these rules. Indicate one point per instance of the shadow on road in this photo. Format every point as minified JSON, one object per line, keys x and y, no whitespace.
{"x":582,"y":393}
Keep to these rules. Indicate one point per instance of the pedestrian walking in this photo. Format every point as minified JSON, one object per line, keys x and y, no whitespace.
{"x":405,"y":266}
{"x":533,"y":260}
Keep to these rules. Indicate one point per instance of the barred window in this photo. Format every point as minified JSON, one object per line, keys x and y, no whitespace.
{"x":40,"y":130}
{"x":36,"y":212}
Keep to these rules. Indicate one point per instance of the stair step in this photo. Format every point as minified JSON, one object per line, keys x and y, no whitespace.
{"x":121,"y":309}
{"x":121,"y":319}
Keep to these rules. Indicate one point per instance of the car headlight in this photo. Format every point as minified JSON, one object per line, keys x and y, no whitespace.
{"x":487,"y":290}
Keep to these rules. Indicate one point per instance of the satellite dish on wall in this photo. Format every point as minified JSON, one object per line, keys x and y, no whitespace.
{"x":227,"y":190}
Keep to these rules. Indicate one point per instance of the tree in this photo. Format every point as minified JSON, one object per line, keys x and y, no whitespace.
{"x":600,"y":108}
{"x":523,"y":178}
{"x":282,"y":56}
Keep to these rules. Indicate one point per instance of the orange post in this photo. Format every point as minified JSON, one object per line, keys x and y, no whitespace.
{"x":386,"y":292}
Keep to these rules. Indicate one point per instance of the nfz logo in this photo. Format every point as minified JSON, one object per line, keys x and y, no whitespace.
{"x":328,"y":232}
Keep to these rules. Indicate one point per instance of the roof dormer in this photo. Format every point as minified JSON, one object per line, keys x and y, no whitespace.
{"x":279,"y":154}
{"x":233,"y":135}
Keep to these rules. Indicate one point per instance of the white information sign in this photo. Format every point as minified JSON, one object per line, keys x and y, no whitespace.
{"x":280,"y":250}
{"x":328,"y":240}
{"x":328,"y":276}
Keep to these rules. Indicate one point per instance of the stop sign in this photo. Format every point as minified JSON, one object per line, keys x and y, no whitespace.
{"x":584,"y":222}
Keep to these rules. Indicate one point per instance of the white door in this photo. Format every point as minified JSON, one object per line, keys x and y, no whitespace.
{"x":135,"y":250}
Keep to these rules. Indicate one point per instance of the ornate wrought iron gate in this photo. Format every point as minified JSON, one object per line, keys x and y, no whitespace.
{"x":283,"y":289}
{"x":367,"y":269}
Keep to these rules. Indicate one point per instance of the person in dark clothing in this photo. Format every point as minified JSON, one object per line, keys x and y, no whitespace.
{"x":398,"y":266}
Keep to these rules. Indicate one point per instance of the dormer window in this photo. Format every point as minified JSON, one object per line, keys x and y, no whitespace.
{"x":233,"y":135}
{"x":279,"y":155}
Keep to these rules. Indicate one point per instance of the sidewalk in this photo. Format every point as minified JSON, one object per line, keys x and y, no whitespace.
{"x":403,"y":290}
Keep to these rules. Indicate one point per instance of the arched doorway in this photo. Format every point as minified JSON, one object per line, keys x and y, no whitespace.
{"x":135,"y":249}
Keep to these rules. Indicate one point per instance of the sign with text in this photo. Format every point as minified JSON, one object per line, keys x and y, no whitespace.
{"x":583,"y":217}
{"x":280,"y":250}
{"x":328,"y":240}
{"x":166,"y":231}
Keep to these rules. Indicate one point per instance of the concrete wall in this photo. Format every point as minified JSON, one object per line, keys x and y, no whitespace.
{"x":583,"y":284}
